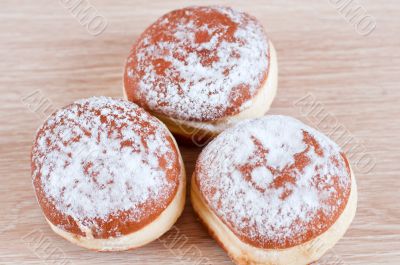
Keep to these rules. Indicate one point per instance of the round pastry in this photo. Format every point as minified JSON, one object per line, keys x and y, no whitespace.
{"x":274,"y":191}
{"x":107,"y":175}
{"x":202,"y":69}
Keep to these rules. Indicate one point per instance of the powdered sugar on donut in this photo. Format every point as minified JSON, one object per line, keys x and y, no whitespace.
{"x":274,"y":181}
{"x":199,"y":63}
{"x":101,"y":156}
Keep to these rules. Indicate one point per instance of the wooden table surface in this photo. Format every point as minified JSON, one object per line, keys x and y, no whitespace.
{"x":339,"y":72}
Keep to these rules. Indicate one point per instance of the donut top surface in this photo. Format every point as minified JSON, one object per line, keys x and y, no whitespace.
{"x":198,"y":64}
{"x":274,"y":181}
{"x":104,"y":165}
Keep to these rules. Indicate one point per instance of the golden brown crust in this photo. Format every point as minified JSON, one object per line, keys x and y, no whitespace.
{"x":282,"y":188}
{"x":157,"y":70}
{"x":120,"y":221}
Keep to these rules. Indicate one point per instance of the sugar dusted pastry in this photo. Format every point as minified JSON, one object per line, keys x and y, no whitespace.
{"x":107,"y":175}
{"x":202,"y":69}
{"x":274,"y":191}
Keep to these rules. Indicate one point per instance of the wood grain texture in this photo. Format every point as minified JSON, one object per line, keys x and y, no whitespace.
{"x":355,"y":78}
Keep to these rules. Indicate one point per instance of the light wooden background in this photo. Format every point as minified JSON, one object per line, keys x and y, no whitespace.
{"x":355,"y":78}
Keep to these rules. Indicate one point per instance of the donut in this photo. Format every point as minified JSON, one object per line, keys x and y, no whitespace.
{"x":107,"y":175}
{"x":202,"y":69}
{"x":273,"y":190}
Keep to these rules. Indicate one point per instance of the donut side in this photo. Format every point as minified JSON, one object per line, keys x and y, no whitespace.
{"x":245,"y":254}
